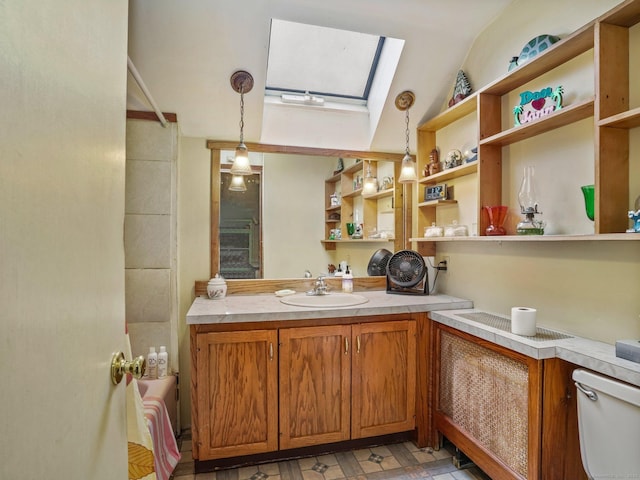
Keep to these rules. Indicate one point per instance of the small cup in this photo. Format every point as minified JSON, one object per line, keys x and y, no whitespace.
{"x":351,"y":227}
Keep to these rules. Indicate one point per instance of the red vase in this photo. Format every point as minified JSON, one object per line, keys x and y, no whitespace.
{"x":497,"y":216}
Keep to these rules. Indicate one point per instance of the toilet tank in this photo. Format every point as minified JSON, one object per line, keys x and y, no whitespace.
{"x":609,"y":425}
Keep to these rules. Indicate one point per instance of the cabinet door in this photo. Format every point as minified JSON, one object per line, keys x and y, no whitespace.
{"x":315,"y":371}
{"x":384,"y":378}
{"x":237,"y":385}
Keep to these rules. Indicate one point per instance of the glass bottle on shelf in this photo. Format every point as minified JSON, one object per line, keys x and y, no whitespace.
{"x":528,"y":199}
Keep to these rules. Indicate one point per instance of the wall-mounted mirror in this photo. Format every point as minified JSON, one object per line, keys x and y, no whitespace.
{"x":288,"y":232}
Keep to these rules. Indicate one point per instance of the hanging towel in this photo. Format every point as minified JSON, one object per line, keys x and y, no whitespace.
{"x":165,"y":447}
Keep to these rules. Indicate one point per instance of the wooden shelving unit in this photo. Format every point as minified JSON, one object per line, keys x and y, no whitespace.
{"x":348,"y":185}
{"x":608,"y":36}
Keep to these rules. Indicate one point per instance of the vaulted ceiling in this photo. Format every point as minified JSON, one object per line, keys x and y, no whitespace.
{"x":185,"y":51}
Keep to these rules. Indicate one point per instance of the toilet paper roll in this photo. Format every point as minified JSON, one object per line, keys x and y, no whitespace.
{"x":523,"y":321}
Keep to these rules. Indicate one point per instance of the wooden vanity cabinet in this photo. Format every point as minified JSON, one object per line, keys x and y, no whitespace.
{"x":236,"y":393}
{"x":260,"y":391}
{"x":344,"y":382}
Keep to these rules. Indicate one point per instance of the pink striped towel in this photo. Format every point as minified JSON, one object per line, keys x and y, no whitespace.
{"x":165,"y":448}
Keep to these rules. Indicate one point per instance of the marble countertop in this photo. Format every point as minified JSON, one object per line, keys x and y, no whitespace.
{"x":593,"y":355}
{"x":268,"y":307}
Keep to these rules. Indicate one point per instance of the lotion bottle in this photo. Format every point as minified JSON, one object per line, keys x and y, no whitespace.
{"x":163,"y":362}
{"x":347,"y":281}
{"x":152,"y":363}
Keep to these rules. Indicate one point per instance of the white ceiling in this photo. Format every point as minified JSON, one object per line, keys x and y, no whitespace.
{"x":186,"y":51}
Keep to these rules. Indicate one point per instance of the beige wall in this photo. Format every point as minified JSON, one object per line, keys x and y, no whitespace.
{"x":587,"y":288}
{"x":194,"y":186}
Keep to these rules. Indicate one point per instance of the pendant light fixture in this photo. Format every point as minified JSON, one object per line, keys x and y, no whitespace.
{"x":237,"y":184}
{"x":408,"y":173}
{"x":370,"y":185}
{"x":241,"y":82}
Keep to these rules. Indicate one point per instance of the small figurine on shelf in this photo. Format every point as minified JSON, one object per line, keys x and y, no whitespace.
{"x":461,"y":89}
{"x":454,"y":158}
{"x":635,"y":216}
{"x":434,"y":162}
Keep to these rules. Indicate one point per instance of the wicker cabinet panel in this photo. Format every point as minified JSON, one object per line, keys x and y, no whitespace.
{"x":485,"y":394}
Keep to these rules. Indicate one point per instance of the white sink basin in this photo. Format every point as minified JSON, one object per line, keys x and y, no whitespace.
{"x":325,"y":301}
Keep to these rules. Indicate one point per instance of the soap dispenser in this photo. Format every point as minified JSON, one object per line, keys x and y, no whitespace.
{"x":347,"y":281}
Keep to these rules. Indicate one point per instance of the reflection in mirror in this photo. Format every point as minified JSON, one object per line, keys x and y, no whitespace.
{"x":288,"y":235}
{"x":240,"y":226}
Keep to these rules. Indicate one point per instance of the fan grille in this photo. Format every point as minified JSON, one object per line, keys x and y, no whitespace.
{"x":378,"y":263}
{"x":406,"y":268}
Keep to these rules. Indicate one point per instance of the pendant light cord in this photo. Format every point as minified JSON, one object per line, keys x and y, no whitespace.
{"x":242,"y":114}
{"x":407,"y":129}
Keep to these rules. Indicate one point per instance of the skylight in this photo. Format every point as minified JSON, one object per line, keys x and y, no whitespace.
{"x":325,"y":62}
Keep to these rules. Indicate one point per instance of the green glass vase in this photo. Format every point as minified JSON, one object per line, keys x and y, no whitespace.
{"x":588,"y":191}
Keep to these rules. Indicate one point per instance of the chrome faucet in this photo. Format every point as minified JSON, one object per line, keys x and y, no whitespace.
{"x":320,"y":287}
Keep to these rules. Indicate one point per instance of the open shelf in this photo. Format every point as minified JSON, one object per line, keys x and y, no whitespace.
{"x":560,"y":118}
{"x":359,"y":240}
{"x":629,"y":119}
{"x":334,"y":178}
{"x":459,"y":110}
{"x":356,"y":167}
{"x":355,"y":193}
{"x":561,"y":52}
{"x":437,"y":203}
{"x":381,"y":194}
{"x":534,"y":238}
{"x":451,"y":173}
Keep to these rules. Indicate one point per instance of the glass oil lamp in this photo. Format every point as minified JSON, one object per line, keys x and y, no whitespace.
{"x":528,"y":199}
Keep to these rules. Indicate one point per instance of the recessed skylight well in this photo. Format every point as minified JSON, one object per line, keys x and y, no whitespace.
{"x":321,"y":61}
{"x":326,"y":87}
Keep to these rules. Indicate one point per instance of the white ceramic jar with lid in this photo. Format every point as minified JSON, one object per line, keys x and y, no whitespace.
{"x":217,"y":287}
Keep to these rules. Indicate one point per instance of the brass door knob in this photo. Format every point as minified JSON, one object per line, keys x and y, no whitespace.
{"x":119,"y":366}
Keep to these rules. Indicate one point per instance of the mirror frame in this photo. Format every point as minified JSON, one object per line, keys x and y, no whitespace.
{"x":217,"y":146}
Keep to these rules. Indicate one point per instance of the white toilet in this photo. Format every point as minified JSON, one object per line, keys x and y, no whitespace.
{"x":609,"y":425}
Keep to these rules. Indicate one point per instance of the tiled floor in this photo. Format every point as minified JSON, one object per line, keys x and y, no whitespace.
{"x":403,"y":461}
